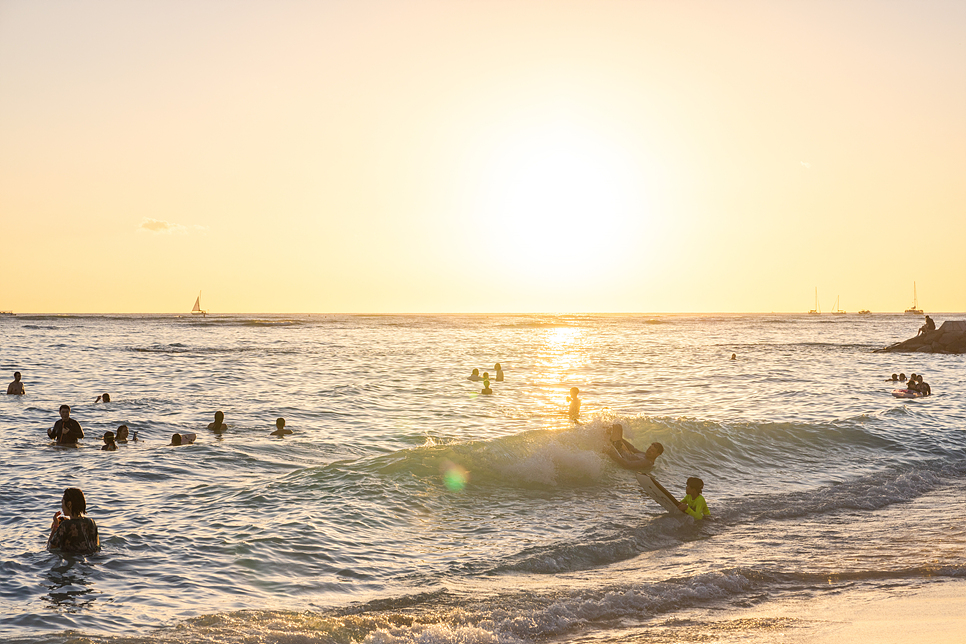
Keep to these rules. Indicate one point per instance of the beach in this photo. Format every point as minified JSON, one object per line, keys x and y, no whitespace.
{"x":408,"y":507}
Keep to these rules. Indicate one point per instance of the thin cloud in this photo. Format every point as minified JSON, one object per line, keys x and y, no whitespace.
{"x":159,"y":227}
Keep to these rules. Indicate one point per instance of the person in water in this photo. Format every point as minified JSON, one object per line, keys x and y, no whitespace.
{"x":895,"y":378}
{"x":280,"y":428}
{"x":475,"y":376}
{"x":574,"y":411}
{"x":109,"y":444}
{"x":499,"y":372}
{"x":693,"y":503}
{"x":66,"y":431}
{"x":219,"y":424}
{"x":103,"y":398}
{"x":902,"y":377}
{"x":15,"y":388}
{"x":122,"y":434}
{"x":734,"y":356}
{"x":628,"y":456}
{"x":71,"y":531}
{"x":486,"y":385}
{"x":183,"y":439}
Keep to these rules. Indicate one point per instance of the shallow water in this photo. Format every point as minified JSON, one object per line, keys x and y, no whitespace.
{"x":407,"y":506}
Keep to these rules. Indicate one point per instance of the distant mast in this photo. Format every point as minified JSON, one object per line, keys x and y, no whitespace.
{"x":915,"y":310}
{"x":816,"y":310}
{"x":197,"y":310}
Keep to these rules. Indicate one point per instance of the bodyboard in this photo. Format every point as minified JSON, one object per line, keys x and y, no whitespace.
{"x":657,"y":492}
{"x":906,"y":393}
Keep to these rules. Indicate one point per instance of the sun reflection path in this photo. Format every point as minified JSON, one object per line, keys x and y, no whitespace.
{"x":562,"y":354}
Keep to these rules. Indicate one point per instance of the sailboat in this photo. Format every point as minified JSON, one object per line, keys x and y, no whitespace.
{"x":915,"y":310}
{"x":816,"y":310}
{"x":837,"y":310}
{"x":197,"y":310}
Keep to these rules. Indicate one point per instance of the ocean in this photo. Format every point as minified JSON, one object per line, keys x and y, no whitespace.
{"x":407,"y":507}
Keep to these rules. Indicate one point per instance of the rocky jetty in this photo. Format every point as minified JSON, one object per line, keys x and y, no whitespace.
{"x":949,"y":338}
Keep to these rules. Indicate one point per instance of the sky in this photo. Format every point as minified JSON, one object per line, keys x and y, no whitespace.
{"x":482,"y":156}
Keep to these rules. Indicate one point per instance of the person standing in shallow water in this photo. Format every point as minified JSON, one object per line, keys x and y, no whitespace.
{"x":574,"y":411}
{"x":499,"y":372}
{"x":73,"y":532}
{"x":219,"y":424}
{"x":66,"y":431}
{"x":15,"y":388}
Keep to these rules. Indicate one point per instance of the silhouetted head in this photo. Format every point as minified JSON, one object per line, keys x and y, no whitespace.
{"x":486,"y":375}
{"x":696,"y":484}
{"x":616,"y":432}
{"x":175,"y":439}
{"x":16,"y":376}
{"x":734,"y":356}
{"x":498,"y":367}
{"x":476,"y":372}
{"x":122,"y":433}
{"x":65,"y":411}
{"x":280,"y":423}
{"x":574,"y":392}
{"x":73,"y":504}
{"x":654,"y":450}
{"x":106,"y":397}
{"x":108,"y":437}
{"x":219,"y":417}
{"x":902,"y":377}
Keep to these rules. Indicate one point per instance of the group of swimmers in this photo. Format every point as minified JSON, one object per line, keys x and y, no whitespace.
{"x":475,"y":377}
{"x":915,"y":383}
{"x":67,"y":431}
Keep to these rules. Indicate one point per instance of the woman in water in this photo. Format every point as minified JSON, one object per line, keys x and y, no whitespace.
{"x":475,"y":376}
{"x":109,"y":444}
{"x":72,"y":531}
{"x":499,"y":372}
{"x":574,"y":411}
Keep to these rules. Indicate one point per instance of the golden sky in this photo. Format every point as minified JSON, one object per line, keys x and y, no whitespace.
{"x":485,"y":156}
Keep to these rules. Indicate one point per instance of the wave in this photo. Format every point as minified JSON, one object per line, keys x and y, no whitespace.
{"x":488,"y":616}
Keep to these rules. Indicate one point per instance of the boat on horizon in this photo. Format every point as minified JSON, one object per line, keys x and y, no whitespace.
{"x":915,"y":310}
{"x":837,"y":310}
{"x":865,"y":312}
{"x":816,"y":310}
{"x":197,"y":310}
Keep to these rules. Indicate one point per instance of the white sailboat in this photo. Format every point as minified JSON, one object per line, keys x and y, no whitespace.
{"x":915,"y":310}
{"x":197,"y":310}
{"x":816,"y":310}
{"x":837,"y":310}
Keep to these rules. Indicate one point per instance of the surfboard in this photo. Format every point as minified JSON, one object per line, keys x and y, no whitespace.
{"x":657,"y":492}
{"x":906,"y":393}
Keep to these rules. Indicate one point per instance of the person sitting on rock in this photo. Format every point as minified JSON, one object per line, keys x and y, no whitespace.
{"x":927,"y":327}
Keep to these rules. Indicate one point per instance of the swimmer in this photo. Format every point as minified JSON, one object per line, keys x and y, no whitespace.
{"x":103,"y":398}
{"x":895,"y":378}
{"x":66,"y":431}
{"x":183,"y":439}
{"x":574,"y":411}
{"x":280,"y":428}
{"x":734,"y":356}
{"x":486,"y":385}
{"x":219,"y":424}
{"x":15,"y":388}
{"x":902,"y":377}
{"x":109,"y":444}
{"x":693,"y":503}
{"x":499,"y":372}
{"x":70,"y":530}
{"x":475,"y":376}
{"x":628,"y":456}
{"x":121,"y":435}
